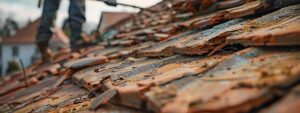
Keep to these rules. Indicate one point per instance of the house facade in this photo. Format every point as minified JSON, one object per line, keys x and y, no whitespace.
{"x":22,"y":45}
{"x":14,"y":52}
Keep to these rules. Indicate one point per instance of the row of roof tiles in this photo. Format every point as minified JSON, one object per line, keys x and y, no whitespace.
{"x":134,"y":76}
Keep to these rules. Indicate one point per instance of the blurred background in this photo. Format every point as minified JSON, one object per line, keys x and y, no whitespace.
{"x":20,"y":18}
{"x":24,"y":11}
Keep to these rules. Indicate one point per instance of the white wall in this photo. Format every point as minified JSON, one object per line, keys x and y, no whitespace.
{"x":0,"y":58}
{"x":26,"y":51}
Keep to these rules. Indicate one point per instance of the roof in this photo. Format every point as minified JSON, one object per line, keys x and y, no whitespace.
{"x":24,"y":35}
{"x":109,"y":19}
{"x":28,"y":34}
{"x":228,"y":56}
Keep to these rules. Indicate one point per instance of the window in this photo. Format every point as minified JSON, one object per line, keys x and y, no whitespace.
{"x":15,"y":51}
{"x":0,"y":51}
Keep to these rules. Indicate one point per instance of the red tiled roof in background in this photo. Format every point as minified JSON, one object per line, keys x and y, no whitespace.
{"x":28,"y":34}
{"x":24,"y":35}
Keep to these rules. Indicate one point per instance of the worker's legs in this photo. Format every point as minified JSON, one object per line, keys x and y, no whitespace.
{"x":76,"y":20}
{"x":47,"y":20}
{"x":44,"y":31}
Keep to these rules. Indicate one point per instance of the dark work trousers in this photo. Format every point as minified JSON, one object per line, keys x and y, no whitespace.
{"x":75,"y":20}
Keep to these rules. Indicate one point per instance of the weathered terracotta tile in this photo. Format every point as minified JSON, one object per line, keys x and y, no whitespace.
{"x":237,"y":75}
{"x":85,"y":62}
{"x":164,"y":48}
{"x":208,"y":39}
{"x":16,"y":85}
{"x":111,"y":108}
{"x":277,"y":28}
{"x":24,"y":93}
{"x":66,"y":92}
{"x":288,"y":104}
{"x":132,"y":89}
{"x":124,"y":70}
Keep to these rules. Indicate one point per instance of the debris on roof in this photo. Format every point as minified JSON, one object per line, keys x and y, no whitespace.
{"x":189,"y":56}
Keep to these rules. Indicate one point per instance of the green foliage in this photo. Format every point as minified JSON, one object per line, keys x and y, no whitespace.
{"x":13,"y":66}
{"x":9,"y":27}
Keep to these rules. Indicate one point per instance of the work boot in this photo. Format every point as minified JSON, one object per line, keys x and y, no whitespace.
{"x":45,"y":51}
{"x":82,"y":41}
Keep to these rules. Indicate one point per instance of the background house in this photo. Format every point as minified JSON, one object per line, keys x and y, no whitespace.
{"x":0,"y":55}
{"x":22,"y":45}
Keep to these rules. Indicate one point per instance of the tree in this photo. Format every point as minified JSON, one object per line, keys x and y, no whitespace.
{"x":13,"y":66}
{"x":10,"y":26}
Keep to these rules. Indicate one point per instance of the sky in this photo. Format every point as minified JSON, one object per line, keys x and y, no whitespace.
{"x":25,"y":10}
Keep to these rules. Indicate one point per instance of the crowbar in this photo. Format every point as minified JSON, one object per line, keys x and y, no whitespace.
{"x":133,"y":6}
